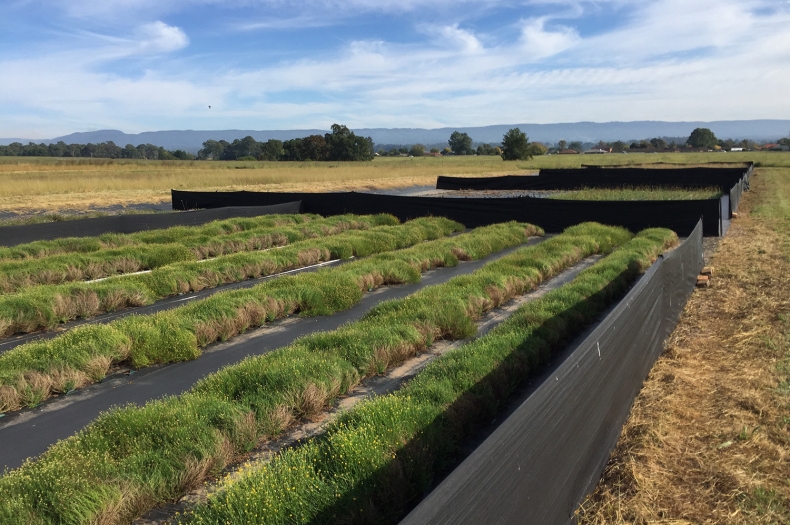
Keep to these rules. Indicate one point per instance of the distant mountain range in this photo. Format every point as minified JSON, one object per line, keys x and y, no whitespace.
{"x":189,"y":140}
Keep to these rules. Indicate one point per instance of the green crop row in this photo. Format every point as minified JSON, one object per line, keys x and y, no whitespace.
{"x":16,"y":275}
{"x":176,"y":234}
{"x":47,"y":306}
{"x":32,"y":372}
{"x":131,"y":458}
{"x":376,"y":460}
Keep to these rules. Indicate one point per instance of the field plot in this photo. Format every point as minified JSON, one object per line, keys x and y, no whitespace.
{"x":92,"y":258}
{"x":32,"y":372}
{"x":259,"y":397}
{"x":376,"y":459}
{"x":636,"y":194}
{"x":46,"y":306}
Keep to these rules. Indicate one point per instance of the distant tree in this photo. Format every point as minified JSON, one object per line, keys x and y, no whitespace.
{"x":315,"y":148}
{"x":460,"y":143}
{"x":575,"y":146}
{"x":515,"y":145}
{"x":292,"y":150}
{"x":212,"y":150}
{"x":562,"y":145}
{"x":658,"y":143}
{"x":783,"y":142}
{"x":536,"y":149}
{"x":434,"y":150}
{"x":619,"y":146}
{"x":342,"y":144}
{"x":130,"y":152}
{"x":418,"y":150}
{"x":272,"y":149}
{"x":182,"y":155}
{"x":702,"y":138}
{"x":446,"y":151}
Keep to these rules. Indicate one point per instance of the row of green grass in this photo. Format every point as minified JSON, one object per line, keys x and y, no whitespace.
{"x":132,"y":458}
{"x":156,"y":249}
{"x":377,"y":459}
{"x":47,"y":306}
{"x":33,"y":372}
{"x":638,"y":193}
{"x":175,"y":234}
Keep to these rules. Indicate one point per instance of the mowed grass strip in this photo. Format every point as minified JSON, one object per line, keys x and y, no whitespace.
{"x":377,"y":459}
{"x":33,"y":372}
{"x":132,"y":458}
{"x":638,"y":193}
{"x":46,"y":306}
{"x":155,"y":249}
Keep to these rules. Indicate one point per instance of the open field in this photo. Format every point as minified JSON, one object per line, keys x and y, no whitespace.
{"x":132,"y":458}
{"x":707,"y":439}
{"x":46,"y":184}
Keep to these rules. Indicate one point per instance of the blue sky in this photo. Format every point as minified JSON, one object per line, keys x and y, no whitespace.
{"x":141,"y":65}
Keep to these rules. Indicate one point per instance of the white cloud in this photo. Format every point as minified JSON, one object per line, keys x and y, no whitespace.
{"x":158,"y":37}
{"x":540,"y":43}
{"x":461,"y":39}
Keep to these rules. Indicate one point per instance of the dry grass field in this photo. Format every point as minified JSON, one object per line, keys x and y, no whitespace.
{"x":35,"y":185}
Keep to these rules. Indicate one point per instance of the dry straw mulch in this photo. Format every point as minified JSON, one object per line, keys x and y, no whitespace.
{"x":708,"y":438}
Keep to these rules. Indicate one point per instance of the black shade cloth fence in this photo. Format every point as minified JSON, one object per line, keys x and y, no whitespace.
{"x":552,"y":215}
{"x":14,"y":235}
{"x":537,"y":467}
{"x":570,"y":179}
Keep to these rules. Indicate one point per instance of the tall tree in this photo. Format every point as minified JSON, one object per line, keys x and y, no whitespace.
{"x":515,"y":145}
{"x":315,"y":147}
{"x":702,"y":138}
{"x":460,"y":143}
{"x":343,"y":144}
{"x":418,"y":150}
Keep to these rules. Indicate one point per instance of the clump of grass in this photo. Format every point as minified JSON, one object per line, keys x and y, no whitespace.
{"x":179,"y":334}
{"x":377,"y":459}
{"x":131,"y":458}
{"x":638,"y":193}
{"x":46,"y":306}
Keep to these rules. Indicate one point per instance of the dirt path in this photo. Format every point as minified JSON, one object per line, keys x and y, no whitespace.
{"x":708,"y":439}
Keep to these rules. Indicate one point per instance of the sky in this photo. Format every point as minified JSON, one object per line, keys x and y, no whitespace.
{"x":146,"y":65}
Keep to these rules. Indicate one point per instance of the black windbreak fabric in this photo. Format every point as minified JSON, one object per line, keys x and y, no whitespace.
{"x":552,"y":215}
{"x":537,"y":467}
{"x":14,"y":235}
{"x":571,"y":179}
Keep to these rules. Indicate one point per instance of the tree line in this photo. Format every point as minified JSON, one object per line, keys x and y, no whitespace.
{"x":104,"y":150}
{"x":339,"y":145}
{"x":515,"y":146}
